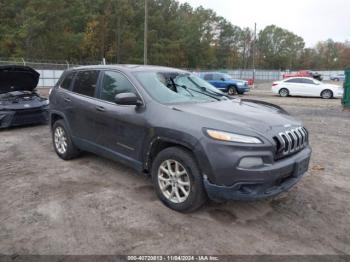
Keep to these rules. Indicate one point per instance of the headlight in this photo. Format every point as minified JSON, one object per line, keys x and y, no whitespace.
{"x":231,"y":137}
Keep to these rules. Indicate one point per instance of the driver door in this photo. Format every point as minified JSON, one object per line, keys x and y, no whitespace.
{"x":121,"y":128}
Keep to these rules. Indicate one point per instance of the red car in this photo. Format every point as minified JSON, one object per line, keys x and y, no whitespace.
{"x":303,"y":73}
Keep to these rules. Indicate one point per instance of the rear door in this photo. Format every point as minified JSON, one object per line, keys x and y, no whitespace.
{"x":219,"y":81}
{"x":210,"y":78}
{"x":81,"y":105}
{"x":121,"y":128}
{"x":295,"y":86}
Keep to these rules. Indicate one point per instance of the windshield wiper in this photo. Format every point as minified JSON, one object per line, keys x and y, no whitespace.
{"x":194,"y":90}
{"x":184,"y":87}
{"x":212,"y":92}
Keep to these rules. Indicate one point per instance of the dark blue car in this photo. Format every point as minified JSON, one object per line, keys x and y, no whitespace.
{"x":225,"y":82}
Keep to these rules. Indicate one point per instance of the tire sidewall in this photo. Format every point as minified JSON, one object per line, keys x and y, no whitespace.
{"x":232,"y":90}
{"x":283,"y":89}
{"x":196,"y":181}
{"x":70,"y":147}
{"x":327,"y":90}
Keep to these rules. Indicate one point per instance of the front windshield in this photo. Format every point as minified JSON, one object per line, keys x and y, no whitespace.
{"x":178,"y":87}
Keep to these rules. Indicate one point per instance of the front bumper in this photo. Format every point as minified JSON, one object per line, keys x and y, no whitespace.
{"x":267,"y":181}
{"x":23,"y":117}
{"x":243,"y":88}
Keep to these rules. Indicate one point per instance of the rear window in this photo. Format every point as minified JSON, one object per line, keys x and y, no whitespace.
{"x":67,"y":81}
{"x":85,"y":82}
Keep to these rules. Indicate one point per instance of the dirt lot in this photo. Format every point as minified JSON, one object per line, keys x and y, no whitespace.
{"x":95,"y":206}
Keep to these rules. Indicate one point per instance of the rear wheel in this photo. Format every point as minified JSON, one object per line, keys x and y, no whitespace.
{"x":327,"y":94}
{"x":232,"y":90}
{"x":177,"y":180}
{"x":284,"y":92}
{"x":62,"y":141}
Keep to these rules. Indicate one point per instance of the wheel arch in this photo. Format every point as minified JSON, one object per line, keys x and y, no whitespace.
{"x":160,"y":143}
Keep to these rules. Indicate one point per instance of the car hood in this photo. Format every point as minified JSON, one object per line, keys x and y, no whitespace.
{"x":255,"y":115}
{"x":17,"y":78}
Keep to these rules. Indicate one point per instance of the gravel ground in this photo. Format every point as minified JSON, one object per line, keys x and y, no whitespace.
{"x":95,"y":206}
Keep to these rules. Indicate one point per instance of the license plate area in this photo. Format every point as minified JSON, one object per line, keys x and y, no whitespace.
{"x":301,"y":167}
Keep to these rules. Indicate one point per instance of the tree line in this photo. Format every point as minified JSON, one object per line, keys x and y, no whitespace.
{"x":179,"y":35}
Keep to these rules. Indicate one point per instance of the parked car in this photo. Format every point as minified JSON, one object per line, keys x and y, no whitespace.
{"x":225,"y":82}
{"x":20,"y":104}
{"x":305,"y":86}
{"x":303,"y":73}
{"x":194,"y":140}
{"x":337,"y":77}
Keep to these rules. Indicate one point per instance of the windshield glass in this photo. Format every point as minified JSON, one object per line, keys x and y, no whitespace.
{"x":178,"y":87}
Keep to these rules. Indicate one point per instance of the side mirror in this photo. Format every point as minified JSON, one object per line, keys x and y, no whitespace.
{"x":127,"y":99}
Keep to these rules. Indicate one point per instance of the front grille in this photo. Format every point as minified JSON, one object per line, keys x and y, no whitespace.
{"x":290,"y":141}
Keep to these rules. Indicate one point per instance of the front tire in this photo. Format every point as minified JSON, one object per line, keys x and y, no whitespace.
{"x":231,"y":90}
{"x":327,"y":94}
{"x":284,"y":92}
{"x":62,"y":141}
{"x":177,"y":180}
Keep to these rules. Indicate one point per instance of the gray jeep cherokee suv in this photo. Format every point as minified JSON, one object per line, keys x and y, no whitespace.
{"x":194,"y":141}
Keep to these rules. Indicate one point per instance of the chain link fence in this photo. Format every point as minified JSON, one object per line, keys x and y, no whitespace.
{"x":51,"y":71}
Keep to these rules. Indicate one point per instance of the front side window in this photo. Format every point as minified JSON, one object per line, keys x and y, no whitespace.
{"x":85,"y":82}
{"x":115,"y":83}
{"x":218,"y":77}
{"x":178,"y":87}
{"x":67,"y":81}
{"x":308,"y":81}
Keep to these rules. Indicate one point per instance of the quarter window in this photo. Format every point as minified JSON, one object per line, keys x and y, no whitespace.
{"x":85,"y":82}
{"x":115,"y":83}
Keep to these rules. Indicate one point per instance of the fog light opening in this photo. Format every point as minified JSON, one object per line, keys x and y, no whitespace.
{"x":250,"y":162}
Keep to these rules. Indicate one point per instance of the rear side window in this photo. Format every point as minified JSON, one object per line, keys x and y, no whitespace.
{"x":308,"y":81}
{"x":295,"y":80}
{"x":67,"y":81}
{"x":115,"y":83}
{"x":85,"y":82}
{"x":217,"y":77}
{"x":208,"y":77}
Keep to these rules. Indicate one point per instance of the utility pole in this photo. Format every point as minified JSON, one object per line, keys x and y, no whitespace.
{"x":145,"y":35}
{"x":254,"y":43}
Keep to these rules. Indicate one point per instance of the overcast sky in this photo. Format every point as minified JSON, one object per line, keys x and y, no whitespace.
{"x":314,"y":20}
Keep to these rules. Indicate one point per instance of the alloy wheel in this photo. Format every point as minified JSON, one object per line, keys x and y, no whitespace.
{"x":60,"y":140}
{"x":174,"y":181}
{"x":326,"y":94}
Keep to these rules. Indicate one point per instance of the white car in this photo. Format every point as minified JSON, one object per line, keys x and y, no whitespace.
{"x":305,"y":86}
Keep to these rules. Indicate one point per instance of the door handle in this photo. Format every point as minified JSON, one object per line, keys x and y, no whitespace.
{"x":67,"y":99}
{"x":100,"y":108}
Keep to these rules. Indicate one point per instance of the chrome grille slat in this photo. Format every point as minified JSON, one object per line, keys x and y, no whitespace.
{"x":291,"y":141}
